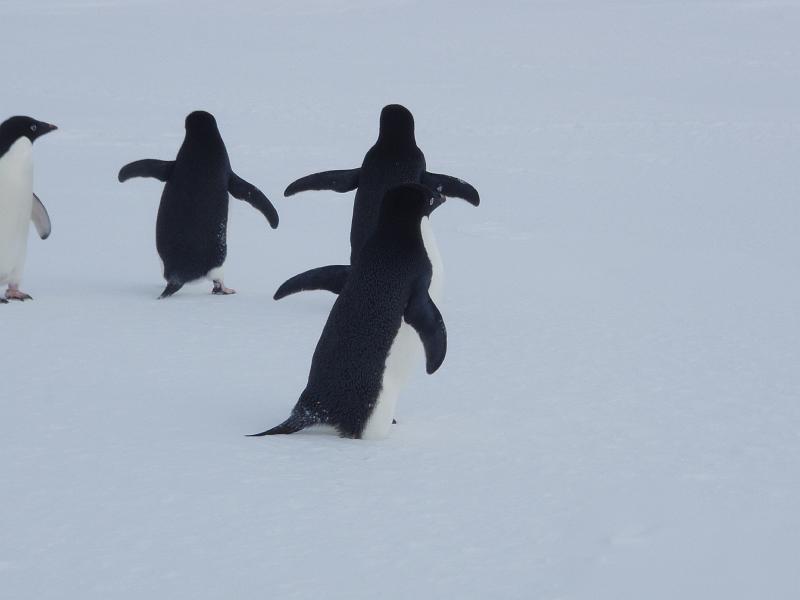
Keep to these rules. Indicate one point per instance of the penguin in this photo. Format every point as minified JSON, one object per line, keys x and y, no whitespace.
{"x":191,"y":226}
{"x":359,"y":365}
{"x":394,"y":159}
{"x":18,"y":204}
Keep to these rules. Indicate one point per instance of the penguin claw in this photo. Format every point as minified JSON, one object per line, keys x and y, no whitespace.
{"x":17,"y":295}
{"x":221,"y":290}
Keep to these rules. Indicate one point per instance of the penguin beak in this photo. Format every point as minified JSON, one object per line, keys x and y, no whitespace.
{"x":51,"y":127}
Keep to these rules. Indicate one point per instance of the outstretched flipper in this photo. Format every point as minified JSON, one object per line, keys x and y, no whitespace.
{"x":291,"y":425}
{"x":451,"y":186}
{"x":331,"y":278}
{"x":422,"y":314}
{"x":243,"y":190}
{"x":170,"y":289}
{"x":40,"y":218}
{"x":338,"y":181}
{"x":149,"y":167}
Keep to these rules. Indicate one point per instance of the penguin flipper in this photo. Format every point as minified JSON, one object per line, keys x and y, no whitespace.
{"x":40,"y":218}
{"x":244,"y":190}
{"x":451,"y":186}
{"x":344,"y":180}
{"x":331,"y":278}
{"x":423,"y":315}
{"x":149,"y":167}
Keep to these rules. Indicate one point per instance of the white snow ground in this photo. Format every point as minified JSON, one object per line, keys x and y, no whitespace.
{"x":617,"y":416}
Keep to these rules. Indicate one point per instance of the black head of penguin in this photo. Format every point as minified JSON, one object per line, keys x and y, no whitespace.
{"x":202,"y":167}
{"x":201,"y":121}
{"x":202,"y":132}
{"x":18,"y":127}
{"x":405,"y":205}
{"x":396,"y":126}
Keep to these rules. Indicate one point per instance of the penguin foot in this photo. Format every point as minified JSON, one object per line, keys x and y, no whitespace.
{"x":15,"y":294}
{"x":3,"y":301}
{"x":221,"y":290}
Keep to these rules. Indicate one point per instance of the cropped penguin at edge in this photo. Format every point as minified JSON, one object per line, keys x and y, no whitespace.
{"x":18,"y":204}
{"x":360,"y":362}
{"x":191,"y":227}
{"x":394,"y":159}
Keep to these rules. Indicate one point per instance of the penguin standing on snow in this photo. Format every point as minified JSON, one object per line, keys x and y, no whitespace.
{"x":359,"y":365}
{"x":192,"y":221}
{"x":393,"y":160}
{"x":18,"y":204}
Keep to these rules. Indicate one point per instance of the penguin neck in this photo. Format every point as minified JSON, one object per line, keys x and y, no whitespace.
{"x":19,"y":152}
{"x":398,"y":140}
{"x":205,"y":143}
{"x":405,"y":227}
{"x":20,"y":145}
{"x":210,"y":137}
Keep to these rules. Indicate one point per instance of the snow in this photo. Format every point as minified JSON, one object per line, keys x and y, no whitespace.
{"x":617,"y":416}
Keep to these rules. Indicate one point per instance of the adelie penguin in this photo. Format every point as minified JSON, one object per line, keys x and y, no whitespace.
{"x":394,"y":159}
{"x":361,"y":360}
{"x":18,"y":204}
{"x":192,"y":222}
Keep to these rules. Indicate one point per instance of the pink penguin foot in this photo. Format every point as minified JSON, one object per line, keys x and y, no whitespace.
{"x":221,"y":290}
{"x":13,"y":293}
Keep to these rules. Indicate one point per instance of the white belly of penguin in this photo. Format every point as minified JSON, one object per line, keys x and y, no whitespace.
{"x":405,"y":351}
{"x":16,"y":204}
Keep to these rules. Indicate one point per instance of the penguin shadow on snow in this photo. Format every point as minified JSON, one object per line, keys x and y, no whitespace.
{"x":18,"y":204}
{"x":192,"y":221}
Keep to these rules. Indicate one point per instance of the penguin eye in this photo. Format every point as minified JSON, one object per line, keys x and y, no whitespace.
{"x":431,"y":200}
{"x":33,"y":127}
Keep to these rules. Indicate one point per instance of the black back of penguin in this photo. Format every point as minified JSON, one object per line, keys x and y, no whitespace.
{"x":393,"y":160}
{"x":193,"y":215}
{"x":191,"y":228}
{"x":348,"y":365}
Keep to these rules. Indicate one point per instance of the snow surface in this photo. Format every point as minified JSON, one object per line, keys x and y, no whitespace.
{"x":617,"y":416}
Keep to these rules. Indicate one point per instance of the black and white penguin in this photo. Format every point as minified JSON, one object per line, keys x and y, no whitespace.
{"x":361,"y":360}
{"x":18,"y":204}
{"x":192,"y":222}
{"x":394,"y":159}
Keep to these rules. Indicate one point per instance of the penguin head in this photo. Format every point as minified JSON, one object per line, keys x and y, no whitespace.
{"x":201,"y":121}
{"x":397,"y":125}
{"x":19,"y":127}
{"x":408,"y":203}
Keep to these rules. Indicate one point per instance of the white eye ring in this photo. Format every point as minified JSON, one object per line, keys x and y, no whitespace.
{"x":431,"y":201}
{"x":33,"y":127}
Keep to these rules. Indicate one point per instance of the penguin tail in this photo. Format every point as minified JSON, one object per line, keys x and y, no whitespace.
{"x":291,"y":425}
{"x":172,"y":287}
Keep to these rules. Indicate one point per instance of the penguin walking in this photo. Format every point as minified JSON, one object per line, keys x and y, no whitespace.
{"x":359,"y":365}
{"x":394,"y":159}
{"x":18,"y":204}
{"x":191,"y":227}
